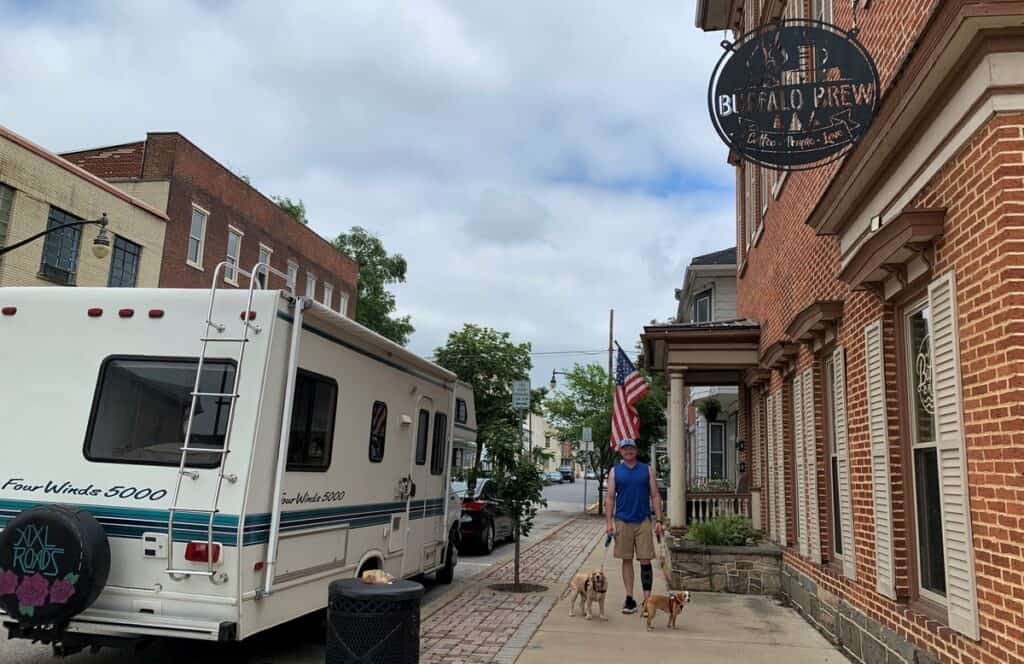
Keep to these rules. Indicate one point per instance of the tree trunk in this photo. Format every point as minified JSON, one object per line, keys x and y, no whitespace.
{"x":516,"y":565}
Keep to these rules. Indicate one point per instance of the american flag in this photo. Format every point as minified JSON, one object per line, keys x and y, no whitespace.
{"x":630,"y":386}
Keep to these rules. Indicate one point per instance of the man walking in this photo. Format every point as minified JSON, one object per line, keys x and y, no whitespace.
{"x":631,"y":489}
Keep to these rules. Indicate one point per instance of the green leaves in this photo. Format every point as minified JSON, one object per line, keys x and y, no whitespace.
{"x":375,"y":304}
{"x":295,"y":209}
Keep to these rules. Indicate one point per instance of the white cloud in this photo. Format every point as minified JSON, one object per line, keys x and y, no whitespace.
{"x":537,"y":162}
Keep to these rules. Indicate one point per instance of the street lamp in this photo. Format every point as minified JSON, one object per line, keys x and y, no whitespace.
{"x":553,"y":383}
{"x":100,"y":246}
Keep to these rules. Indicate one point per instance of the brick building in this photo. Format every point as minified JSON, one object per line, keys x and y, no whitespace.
{"x":214,"y":216}
{"x":39,"y":190}
{"x":878,"y":359}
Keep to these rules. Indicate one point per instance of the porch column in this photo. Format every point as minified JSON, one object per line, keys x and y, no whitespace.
{"x":676,"y":451}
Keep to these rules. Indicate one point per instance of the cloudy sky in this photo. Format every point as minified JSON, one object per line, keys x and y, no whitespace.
{"x":537,"y":162}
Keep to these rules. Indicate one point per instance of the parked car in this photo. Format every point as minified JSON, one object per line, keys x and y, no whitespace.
{"x":484,"y":521}
{"x":590,"y":475}
{"x":568,"y":474}
{"x":553,"y":477}
{"x":544,"y":479}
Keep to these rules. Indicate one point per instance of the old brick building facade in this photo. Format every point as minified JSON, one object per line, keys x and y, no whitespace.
{"x":215,"y":216}
{"x":883,"y":299}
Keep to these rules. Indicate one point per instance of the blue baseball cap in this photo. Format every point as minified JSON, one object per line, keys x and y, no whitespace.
{"x":627,"y":442}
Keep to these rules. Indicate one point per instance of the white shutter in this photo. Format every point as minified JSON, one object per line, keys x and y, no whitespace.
{"x":961,"y":592}
{"x":798,"y":457}
{"x":813,"y":519}
{"x":769,"y":471}
{"x":885,"y":574}
{"x":843,"y":464}
{"x":780,"y":462}
{"x":755,"y":440}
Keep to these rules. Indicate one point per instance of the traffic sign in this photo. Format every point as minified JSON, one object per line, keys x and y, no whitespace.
{"x":521,"y":394}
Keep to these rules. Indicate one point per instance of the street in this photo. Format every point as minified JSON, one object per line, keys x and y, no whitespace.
{"x":302,"y":641}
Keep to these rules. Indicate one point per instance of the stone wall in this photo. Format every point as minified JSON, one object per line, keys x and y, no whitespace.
{"x":861,"y":638}
{"x":747,"y":570}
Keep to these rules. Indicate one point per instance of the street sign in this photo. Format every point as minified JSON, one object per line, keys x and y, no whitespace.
{"x":521,"y":394}
{"x":588,"y":435}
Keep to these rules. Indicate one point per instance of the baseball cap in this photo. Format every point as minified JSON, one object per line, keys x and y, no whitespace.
{"x":627,"y":442}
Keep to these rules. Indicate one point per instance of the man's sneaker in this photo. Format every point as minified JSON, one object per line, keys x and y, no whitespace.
{"x":629,"y":606}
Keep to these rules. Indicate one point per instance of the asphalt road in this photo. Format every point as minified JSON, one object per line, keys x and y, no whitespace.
{"x":301,"y":641}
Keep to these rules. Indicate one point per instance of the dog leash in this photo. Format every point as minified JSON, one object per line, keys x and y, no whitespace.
{"x":607,"y":541}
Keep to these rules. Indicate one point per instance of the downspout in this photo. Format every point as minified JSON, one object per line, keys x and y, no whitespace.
{"x":301,"y":303}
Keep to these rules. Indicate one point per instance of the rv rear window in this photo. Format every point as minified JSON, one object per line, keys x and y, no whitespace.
{"x":422,"y":433}
{"x":439,"y":449}
{"x":140,"y":411}
{"x":378,"y":427}
{"x":312,"y":437}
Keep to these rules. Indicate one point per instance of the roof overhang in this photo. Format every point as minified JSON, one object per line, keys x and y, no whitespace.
{"x":718,"y":14}
{"x":778,"y":355}
{"x":816,"y":324}
{"x":706,"y":354}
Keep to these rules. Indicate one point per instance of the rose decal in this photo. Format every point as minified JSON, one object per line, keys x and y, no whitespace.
{"x":8,"y":582}
{"x":32,"y":593}
{"x":61,"y":591}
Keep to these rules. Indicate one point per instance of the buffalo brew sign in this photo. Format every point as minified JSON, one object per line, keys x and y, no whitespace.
{"x":793,"y":95}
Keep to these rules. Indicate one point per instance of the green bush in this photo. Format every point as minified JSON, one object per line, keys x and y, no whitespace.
{"x":722,"y":531}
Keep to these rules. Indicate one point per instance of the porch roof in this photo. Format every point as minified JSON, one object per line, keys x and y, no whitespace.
{"x":715,"y":353}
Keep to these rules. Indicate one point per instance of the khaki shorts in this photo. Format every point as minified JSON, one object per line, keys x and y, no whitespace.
{"x":633,"y":538}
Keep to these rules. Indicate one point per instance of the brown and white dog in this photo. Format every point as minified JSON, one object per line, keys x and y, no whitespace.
{"x":672,"y":604}
{"x":588,"y":588}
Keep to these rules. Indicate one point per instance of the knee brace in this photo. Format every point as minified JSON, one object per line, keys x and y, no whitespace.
{"x":646,"y":576}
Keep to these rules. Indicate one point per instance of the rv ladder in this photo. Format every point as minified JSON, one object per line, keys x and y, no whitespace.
{"x":261,"y":269}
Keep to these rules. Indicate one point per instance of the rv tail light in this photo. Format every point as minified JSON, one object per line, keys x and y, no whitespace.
{"x":95,"y":312}
{"x":251,"y":315}
{"x":200,"y":552}
{"x":126,"y":313}
{"x":257,"y":566}
{"x":156,"y":313}
{"x":10,"y":311}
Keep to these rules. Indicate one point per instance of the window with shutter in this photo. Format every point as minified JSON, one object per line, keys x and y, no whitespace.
{"x":799,"y":505}
{"x":770,"y":469}
{"x":843,"y":462}
{"x":885,"y":575}
{"x":811,"y":468}
{"x":780,"y":466}
{"x":961,"y":591}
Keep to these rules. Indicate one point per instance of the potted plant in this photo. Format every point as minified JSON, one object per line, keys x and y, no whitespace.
{"x":710,"y":408}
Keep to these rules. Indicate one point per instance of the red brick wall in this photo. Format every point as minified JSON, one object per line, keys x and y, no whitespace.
{"x":982,"y":188}
{"x":196,"y":178}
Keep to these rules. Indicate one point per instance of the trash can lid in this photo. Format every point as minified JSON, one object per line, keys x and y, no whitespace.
{"x":357,"y":589}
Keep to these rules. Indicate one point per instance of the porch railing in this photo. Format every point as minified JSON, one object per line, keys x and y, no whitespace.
{"x":704,"y":506}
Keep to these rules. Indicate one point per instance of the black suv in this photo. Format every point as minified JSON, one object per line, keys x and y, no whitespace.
{"x":567,"y":474}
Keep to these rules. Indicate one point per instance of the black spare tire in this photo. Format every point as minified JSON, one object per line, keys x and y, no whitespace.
{"x":54,"y":561}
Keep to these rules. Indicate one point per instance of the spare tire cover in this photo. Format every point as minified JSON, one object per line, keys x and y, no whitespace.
{"x":54,"y":562}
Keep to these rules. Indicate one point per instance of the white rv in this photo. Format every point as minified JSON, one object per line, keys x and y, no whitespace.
{"x":238,"y":450}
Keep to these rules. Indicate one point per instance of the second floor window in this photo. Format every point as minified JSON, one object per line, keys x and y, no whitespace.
{"x":6,"y":203}
{"x":264,"y":277}
{"x":196,"y":233}
{"x":822,"y":10}
{"x":702,"y":307}
{"x":311,"y":285}
{"x":60,"y":250}
{"x":293,"y":275}
{"x":343,"y":304}
{"x":124,"y":264}
{"x":328,"y":295}
{"x":234,"y":252}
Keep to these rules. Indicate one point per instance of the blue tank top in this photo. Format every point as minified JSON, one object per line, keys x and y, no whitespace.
{"x":632,"y":492}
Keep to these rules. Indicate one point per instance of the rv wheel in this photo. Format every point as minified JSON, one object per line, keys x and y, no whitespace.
{"x":54,"y":562}
{"x":446,"y":574}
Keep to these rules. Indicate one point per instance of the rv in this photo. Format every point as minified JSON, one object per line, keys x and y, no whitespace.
{"x":202,"y":464}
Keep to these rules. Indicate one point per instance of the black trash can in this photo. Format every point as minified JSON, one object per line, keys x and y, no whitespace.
{"x":373,"y":624}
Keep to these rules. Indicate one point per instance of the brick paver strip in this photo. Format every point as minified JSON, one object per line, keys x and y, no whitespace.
{"x":484,"y":625}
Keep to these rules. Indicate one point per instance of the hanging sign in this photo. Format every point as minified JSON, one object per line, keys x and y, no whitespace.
{"x":793,"y":95}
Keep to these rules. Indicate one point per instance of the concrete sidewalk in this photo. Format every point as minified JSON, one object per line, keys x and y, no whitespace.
{"x":714,"y":628}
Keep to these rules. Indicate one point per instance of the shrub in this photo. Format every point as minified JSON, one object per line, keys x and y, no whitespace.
{"x":722,"y":531}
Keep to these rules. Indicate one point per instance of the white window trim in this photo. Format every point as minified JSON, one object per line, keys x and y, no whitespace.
{"x":779,"y":181}
{"x":710,"y":293}
{"x":343,"y":303}
{"x":270,"y":257}
{"x":310,"y":285}
{"x":202,"y":237}
{"x":328,"y":300}
{"x":238,"y":260}
{"x":295,"y":281}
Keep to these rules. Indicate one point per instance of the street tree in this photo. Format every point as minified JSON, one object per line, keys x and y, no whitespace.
{"x":489,"y":361}
{"x":375,"y":304}
{"x":587,"y":402}
{"x":516,"y":473}
{"x":295,"y":209}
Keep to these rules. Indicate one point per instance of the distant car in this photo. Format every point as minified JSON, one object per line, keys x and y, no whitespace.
{"x":568,"y":474}
{"x":590,"y":475}
{"x":545,"y":480}
{"x":553,"y":477}
{"x":484,"y":521}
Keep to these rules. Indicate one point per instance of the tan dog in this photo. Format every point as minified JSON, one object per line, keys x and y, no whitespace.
{"x":672,"y":604}
{"x":377,"y":577}
{"x":588,"y":588}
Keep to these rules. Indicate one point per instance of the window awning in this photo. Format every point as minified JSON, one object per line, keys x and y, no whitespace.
{"x":715,"y":353}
